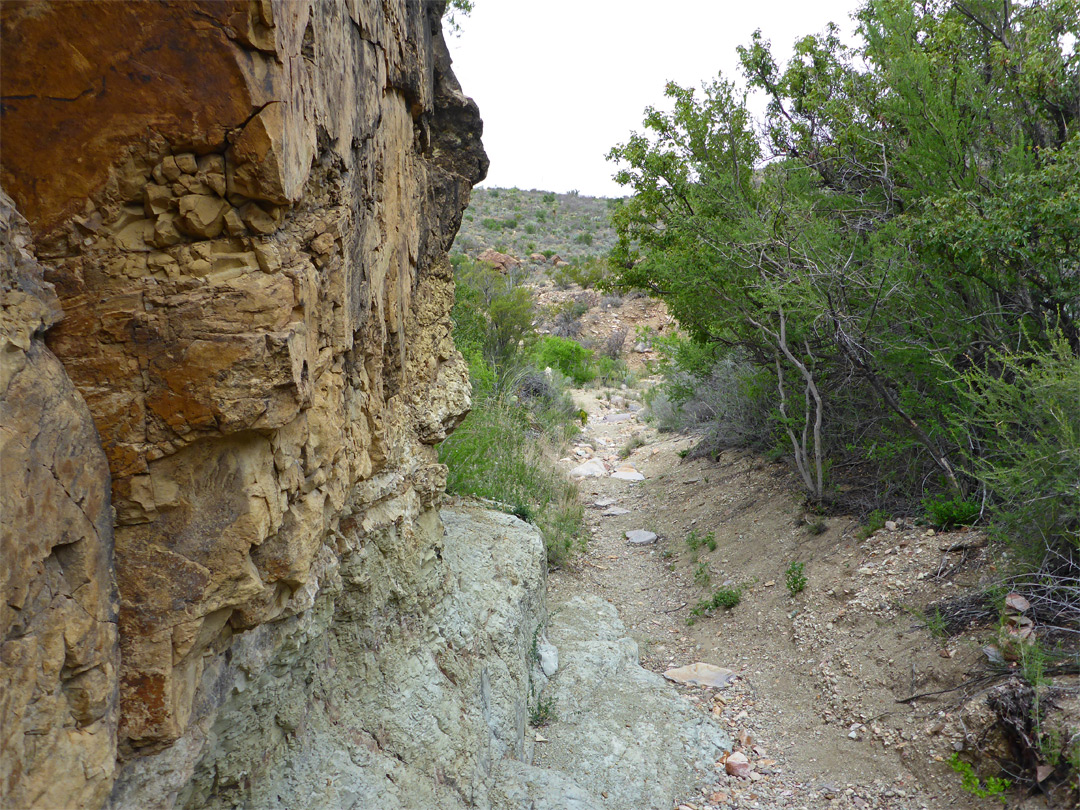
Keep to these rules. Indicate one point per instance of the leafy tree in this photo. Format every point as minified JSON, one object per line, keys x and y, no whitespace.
{"x":492,"y":320}
{"x":909,"y":206}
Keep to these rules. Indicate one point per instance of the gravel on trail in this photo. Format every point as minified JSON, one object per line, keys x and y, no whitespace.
{"x":813,"y":704}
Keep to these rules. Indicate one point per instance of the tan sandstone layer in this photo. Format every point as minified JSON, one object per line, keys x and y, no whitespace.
{"x":244,"y":208}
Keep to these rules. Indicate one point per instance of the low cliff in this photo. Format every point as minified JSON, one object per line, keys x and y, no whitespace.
{"x":223,"y":383}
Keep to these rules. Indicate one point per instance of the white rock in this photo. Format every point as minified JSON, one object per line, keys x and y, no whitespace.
{"x":549,"y":658}
{"x":593,"y":468}
{"x":640,"y":537}
{"x":615,"y":511}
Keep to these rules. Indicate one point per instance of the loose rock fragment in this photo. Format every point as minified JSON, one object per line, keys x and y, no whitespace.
{"x":737,"y":765}
{"x":701,"y":674}
{"x":549,"y":658}
{"x":1017,"y":602}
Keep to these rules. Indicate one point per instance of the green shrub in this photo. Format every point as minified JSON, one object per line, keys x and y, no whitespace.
{"x":702,"y":575}
{"x":696,"y":541}
{"x":542,"y":713}
{"x":995,"y":787}
{"x":589,"y":273}
{"x":950,"y":513}
{"x":633,"y":444}
{"x":610,"y":371}
{"x":724,"y":597}
{"x":568,"y":356}
{"x":1028,"y":403}
{"x":875,"y":522}
{"x":795,"y":578}
{"x":489,"y":223}
{"x":499,"y":450}
{"x":570,"y":310}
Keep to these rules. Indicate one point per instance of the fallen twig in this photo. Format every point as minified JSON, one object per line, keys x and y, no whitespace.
{"x":1066,"y":669}
{"x":964,"y":545}
{"x":974,"y":681}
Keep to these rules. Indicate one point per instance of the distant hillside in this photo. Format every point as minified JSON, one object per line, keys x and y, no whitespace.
{"x":519,"y":222}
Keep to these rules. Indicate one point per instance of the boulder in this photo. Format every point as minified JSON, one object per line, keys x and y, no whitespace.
{"x":593,"y":468}
{"x":500,"y":261}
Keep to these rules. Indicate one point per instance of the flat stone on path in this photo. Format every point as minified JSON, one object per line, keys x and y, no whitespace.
{"x":627,"y":472}
{"x":593,"y":468}
{"x":603,"y":503}
{"x":614,"y":511}
{"x":701,"y":674}
{"x":640,"y":537}
{"x":617,"y":417}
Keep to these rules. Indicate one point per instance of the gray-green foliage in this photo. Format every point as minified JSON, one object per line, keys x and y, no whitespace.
{"x":1028,"y":404}
{"x":718,"y":393}
{"x":912,"y":207}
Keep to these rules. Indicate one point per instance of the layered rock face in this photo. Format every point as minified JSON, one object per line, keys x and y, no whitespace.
{"x":58,"y":644}
{"x":244,"y":208}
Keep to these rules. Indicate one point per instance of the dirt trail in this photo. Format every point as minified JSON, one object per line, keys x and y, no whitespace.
{"x":815,"y":704}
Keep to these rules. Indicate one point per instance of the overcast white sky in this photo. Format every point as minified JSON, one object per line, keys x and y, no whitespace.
{"x":559,"y":82}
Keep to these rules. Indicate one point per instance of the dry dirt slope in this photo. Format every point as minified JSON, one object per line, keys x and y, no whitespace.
{"x":820,"y":674}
